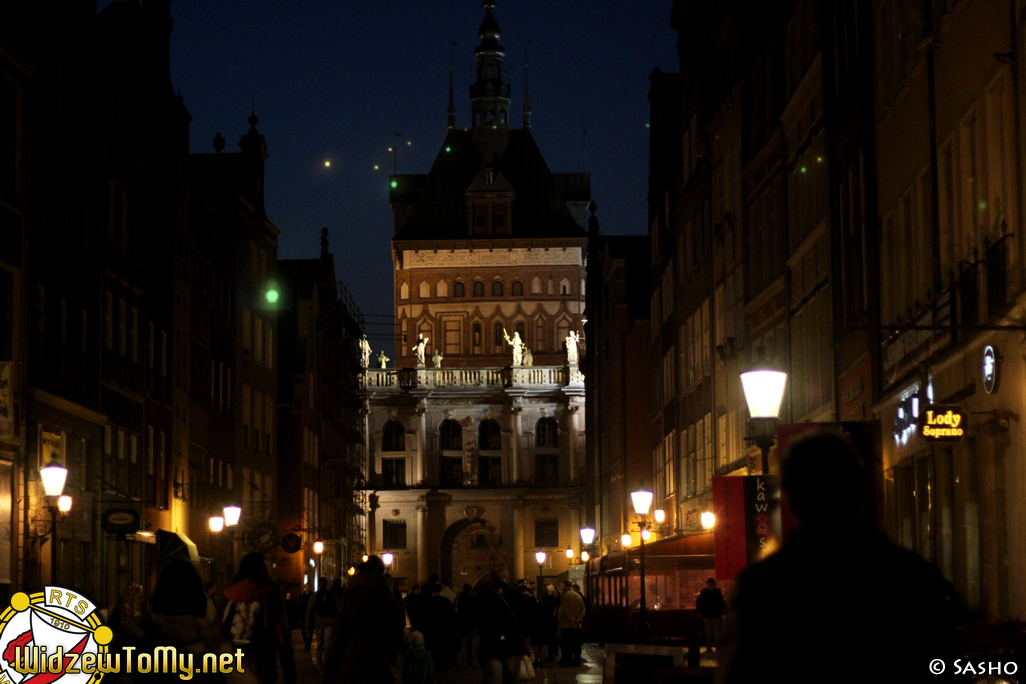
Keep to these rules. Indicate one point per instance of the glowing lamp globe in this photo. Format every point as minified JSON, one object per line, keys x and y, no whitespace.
{"x":585,"y":556}
{"x":642,"y":499}
{"x":540,"y":557}
{"x":216,"y":523}
{"x":625,"y":540}
{"x":764,"y":388}
{"x":708,"y":520}
{"x":53,"y":475}
{"x":64,"y":504}
{"x":318,"y":546}
{"x":387,"y":559}
{"x":232,"y":514}
{"x":351,"y":571}
{"x":365,"y":558}
{"x":587,"y":536}
{"x":646,"y":534}
{"x":272,"y":296}
{"x":569,"y":553}
{"x":660,"y":515}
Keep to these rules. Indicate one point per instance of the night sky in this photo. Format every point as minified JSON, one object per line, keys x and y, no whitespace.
{"x":333,"y":80}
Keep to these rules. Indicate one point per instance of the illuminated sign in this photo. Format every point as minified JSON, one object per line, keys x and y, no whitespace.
{"x":939,"y":423}
{"x":990,"y":369}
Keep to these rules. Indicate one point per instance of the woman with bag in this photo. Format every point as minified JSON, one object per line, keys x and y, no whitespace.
{"x":255,"y":621}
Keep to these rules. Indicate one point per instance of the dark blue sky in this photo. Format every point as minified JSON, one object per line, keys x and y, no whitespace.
{"x":334,"y":79}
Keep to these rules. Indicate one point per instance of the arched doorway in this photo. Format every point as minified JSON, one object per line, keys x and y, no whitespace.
{"x":471,"y":549}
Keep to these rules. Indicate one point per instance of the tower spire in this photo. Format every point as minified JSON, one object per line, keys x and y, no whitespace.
{"x":452,"y":103}
{"x":527,"y":98}
{"x":489,"y":94}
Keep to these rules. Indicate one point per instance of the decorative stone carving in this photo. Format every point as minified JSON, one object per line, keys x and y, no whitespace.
{"x":382,"y":359}
{"x":572,"y":341}
{"x":518,"y":347}
{"x":365,"y":352}
{"x":528,"y":357}
{"x":419,"y":348}
{"x":436,"y":359}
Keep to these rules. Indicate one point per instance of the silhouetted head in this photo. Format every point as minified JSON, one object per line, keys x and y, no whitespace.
{"x":373,"y":565}
{"x":179,"y":591}
{"x":710,"y":582}
{"x":822,"y":477}
{"x":253,"y":567}
{"x":433,"y":579}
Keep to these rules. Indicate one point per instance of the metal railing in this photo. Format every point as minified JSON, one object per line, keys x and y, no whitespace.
{"x":428,"y":378}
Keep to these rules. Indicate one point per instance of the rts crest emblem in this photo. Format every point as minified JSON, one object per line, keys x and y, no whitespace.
{"x":53,"y":635}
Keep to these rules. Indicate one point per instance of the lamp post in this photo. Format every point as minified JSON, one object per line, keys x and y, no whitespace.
{"x":232,"y":513}
{"x":318,"y":548}
{"x":540,"y":556}
{"x":387,"y":559}
{"x":54,"y":475}
{"x":642,"y":500}
{"x":764,"y":391}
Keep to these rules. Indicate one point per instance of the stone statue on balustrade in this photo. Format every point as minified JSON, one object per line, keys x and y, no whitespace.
{"x":528,"y":356}
{"x":518,"y":347}
{"x":382,"y":359}
{"x":436,"y":359}
{"x":419,"y":349}
{"x":365,"y":352}
{"x":572,"y":345}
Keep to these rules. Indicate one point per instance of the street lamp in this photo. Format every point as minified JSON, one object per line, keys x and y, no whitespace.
{"x":642,"y":499}
{"x":54,"y":475}
{"x":587,"y":536}
{"x":625,"y":540}
{"x":708,"y":520}
{"x":387,"y":559}
{"x":660,"y":516}
{"x":232,"y":513}
{"x":569,"y":553}
{"x":216,"y":523}
{"x":764,"y":392}
{"x":585,"y":556}
{"x":64,"y":504}
{"x":540,"y":556}
{"x":318,"y":548}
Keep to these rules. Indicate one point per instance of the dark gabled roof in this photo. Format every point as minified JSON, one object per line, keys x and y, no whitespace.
{"x":575,"y":187}
{"x":438,"y":198}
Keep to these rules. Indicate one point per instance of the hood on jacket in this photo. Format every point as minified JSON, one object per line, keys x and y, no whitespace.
{"x":247,"y":590}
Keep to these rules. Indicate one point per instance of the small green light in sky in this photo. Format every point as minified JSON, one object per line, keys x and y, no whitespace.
{"x":803,"y":169}
{"x":448,"y":149}
{"x":272,"y":295}
{"x":395,"y":184}
{"x":648,"y":125}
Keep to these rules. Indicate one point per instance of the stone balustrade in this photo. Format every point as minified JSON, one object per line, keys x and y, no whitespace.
{"x":432,"y":378}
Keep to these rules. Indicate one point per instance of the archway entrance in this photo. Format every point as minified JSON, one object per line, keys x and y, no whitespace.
{"x":471,"y":549}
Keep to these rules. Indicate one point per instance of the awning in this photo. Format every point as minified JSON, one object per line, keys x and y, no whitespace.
{"x":176,"y":546}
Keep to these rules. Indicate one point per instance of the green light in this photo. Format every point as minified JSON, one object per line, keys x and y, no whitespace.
{"x":272,"y":296}
{"x":494,"y":126}
{"x":448,"y":149}
{"x":648,"y":125}
{"x":803,"y":169}
{"x":395,"y":184}
{"x":983,"y":205}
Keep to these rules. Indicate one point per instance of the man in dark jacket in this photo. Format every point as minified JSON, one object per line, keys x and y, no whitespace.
{"x":465,"y":617}
{"x":866,"y":610}
{"x":368,"y":630}
{"x":711,"y":606}
{"x":502,"y":641}
{"x":439,"y":626}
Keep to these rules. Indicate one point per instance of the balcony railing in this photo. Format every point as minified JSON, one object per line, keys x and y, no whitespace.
{"x":430,"y":378}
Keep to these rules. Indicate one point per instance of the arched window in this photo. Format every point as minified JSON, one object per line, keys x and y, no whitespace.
{"x":497,"y":288}
{"x":477,"y":335}
{"x":520,"y":329}
{"x":518,"y":288}
{"x":498,"y":335}
{"x":546,"y":433}
{"x":478,"y":288}
{"x":489,"y":436}
{"x":393,"y":436}
{"x":450,"y":436}
{"x":459,"y":290}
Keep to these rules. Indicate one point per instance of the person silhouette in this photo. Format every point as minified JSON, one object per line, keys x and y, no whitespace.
{"x":852,"y":606}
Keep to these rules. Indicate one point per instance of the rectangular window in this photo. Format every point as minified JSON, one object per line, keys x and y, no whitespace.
{"x":135,"y":335}
{"x":258,"y":339}
{"x":393,"y":472}
{"x":246,"y":332}
{"x":150,"y":451}
{"x":269,"y":420}
{"x":122,"y":327}
{"x":546,"y":533}
{"x":269,"y":345}
{"x":489,"y":470}
{"x":546,"y":469}
{"x":393,"y":534}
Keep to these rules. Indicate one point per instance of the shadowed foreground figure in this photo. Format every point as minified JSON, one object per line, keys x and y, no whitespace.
{"x":837,"y":603}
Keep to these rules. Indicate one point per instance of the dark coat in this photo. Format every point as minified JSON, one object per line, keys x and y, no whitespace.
{"x":500,"y":632}
{"x":270,"y":636}
{"x":857,"y":608}
{"x":710,"y":603}
{"x":367,"y":633}
{"x":438,"y":623}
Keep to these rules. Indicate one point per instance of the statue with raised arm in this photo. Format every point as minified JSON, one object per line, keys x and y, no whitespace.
{"x":419,"y":349}
{"x":518,"y":346}
{"x":382,"y":359}
{"x":436,"y":359}
{"x":365,"y":352}
{"x":572,"y":342}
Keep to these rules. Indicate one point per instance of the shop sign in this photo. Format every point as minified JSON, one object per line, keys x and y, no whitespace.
{"x":942,"y":423}
{"x":120,"y":521}
{"x":990,"y":369}
{"x":747,"y":509}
